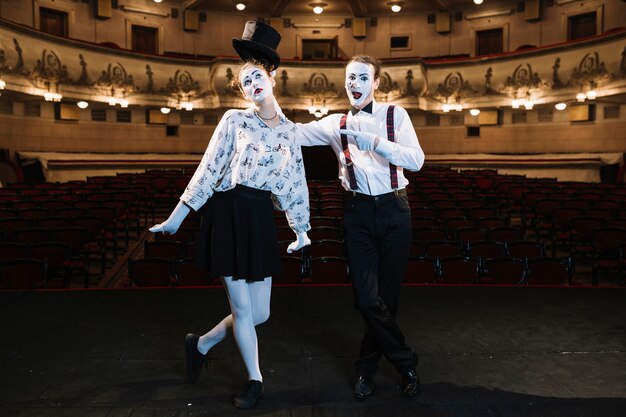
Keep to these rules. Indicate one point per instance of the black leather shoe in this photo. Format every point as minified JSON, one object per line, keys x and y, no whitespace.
{"x":411,"y":383}
{"x":363,"y":387}
{"x":249,"y":395}
{"x":195,"y":359}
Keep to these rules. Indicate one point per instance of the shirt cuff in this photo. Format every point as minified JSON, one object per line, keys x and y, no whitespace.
{"x":385,"y":148}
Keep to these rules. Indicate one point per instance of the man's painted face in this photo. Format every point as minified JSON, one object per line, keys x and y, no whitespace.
{"x":256,"y":84}
{"x":360,"y":83}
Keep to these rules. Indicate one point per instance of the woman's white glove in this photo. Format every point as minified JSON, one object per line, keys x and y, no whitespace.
{"x":171,"y":225}
{"x":302,"y":240}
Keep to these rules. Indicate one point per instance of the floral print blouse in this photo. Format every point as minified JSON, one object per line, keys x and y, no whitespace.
{"x":244,"y":150}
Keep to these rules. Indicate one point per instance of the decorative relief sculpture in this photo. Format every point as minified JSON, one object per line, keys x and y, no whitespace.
{"x":556,"y":80}
{"x":150,"y":85}
{"x":284,"y":91}
{"x":453,"y":89}
{"x":387,"y":88}
{"x":19,"y":65}
{"x":319,"y":86}
{"x":115,"y":76}
{"x":49,"y":70}
{"x":590,"y":71}
{"x":84,"y":77}
{"x":522,"y":81}
{"x":230,"y":89}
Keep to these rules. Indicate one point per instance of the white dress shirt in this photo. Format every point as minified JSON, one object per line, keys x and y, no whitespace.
{"x":244,"y":150}
{"x":371,"y":168}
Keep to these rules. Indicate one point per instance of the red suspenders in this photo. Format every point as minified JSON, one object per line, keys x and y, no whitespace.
{"x":391,"y":136}
{"x":393,"y":171}
{"x":346,"y":153}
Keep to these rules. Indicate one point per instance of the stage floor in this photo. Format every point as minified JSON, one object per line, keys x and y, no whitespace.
{"x":502,"y":351}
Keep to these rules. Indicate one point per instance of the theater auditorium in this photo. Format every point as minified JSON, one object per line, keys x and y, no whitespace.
{"x":513,"y":294}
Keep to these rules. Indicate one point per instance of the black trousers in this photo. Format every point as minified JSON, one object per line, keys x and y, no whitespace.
{"x":377,"y":232}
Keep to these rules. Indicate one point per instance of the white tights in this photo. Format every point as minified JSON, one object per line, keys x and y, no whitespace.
{"x":249,"y":306}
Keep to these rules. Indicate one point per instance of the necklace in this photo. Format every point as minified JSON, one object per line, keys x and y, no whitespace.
{"x":269,"y":118}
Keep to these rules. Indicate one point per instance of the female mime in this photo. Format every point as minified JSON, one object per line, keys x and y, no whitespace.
{"x":251,"y":166}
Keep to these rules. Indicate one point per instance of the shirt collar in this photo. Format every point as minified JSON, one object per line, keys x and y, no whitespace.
{"x":366,"y":109}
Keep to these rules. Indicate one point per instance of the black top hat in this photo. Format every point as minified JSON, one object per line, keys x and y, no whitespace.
{"x":259,"y":41}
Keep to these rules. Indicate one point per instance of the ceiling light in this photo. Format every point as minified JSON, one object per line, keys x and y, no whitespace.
{"x":560,"y":106}
{"x":581,"y":97}
{"x":318,"y":7}
{"x":82,"y":104}
{"x":396,"y":6}
{"x":158,"y":1}
{"x":475,"y":112}
{"x":478,"y":1}
{"x":165,"y":110}
{"x":240,"y":6}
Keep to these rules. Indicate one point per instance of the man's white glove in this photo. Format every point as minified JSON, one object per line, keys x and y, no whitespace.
{"x":370,"y":142}
{"x":171,"y":225}
{"x":365,"y":141}
{"x":302,"y":240}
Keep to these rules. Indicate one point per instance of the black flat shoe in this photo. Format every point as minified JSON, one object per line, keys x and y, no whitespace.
{"x":195,"y":359}
{"x":411,"y":383}
{"x":363,"y":387}
{"x":249,"y":395}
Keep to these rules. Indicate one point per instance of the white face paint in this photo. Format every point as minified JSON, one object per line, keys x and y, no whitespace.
{"x":256,"y":84}
{"x":360,"y":83}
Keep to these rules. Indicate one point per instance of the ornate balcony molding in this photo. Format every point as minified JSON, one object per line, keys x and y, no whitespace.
{"x":32,"y":62}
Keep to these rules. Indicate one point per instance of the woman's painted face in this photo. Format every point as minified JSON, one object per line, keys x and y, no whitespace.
{"x":360,"y":83}
{"x":256,"y":84}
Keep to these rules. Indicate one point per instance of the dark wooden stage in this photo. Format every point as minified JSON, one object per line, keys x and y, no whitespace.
{"x":485,"y":351}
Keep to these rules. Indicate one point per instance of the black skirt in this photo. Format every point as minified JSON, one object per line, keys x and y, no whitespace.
{"x":238,"y":235}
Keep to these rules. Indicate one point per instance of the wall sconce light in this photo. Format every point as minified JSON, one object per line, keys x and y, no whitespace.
{"x":560,"y":106}
{"x":318,"y":8}
{"x":123,"y":103}
{"x":580,"y":97}
{"x":186,"y":105}
{"x":241,"y":5}
{"x":82,"y":104}
{"x":2,"y":85}
{"x":52,"y":96}
{"x":478,"y":1}
{"x":527,"y":103}
{"x":318,"y":111}
{"x":592,"y":94}
{"x":165,"y":110}
{"x":474,"y":112}
{"x":112,"y":101}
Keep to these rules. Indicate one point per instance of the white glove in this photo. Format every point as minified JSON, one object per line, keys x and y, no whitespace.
{"x":365,"y":141}
{"x":171,"y":225}
{"x":302,"y":240}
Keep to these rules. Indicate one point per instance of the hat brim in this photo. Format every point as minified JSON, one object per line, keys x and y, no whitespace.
{"x":247,"y":49}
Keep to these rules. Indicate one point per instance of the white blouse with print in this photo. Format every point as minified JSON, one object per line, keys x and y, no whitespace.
{"x":244,"y":150}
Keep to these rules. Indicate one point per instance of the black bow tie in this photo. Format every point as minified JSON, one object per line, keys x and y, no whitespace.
{"x":366,"y":109}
